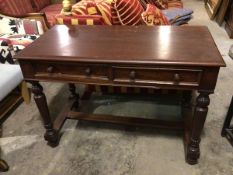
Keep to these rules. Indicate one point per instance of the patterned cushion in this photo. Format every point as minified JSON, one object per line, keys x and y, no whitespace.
{"x":40,"y":4}
{"x":15,"y":7}
{"x":105,"y":11}
{"x":5,"y":51}
{"x":115,"y":19}
{"x":20,"y":26}
{"x":128,"y":11}
{"x":154,"y":16}
{"x":143,"y":3}
{"x":85,"y":8}
{"x":18,"y":42}
{"x":161,"y":4}
{"x":90,"y":7}
{"x":80,"y":20}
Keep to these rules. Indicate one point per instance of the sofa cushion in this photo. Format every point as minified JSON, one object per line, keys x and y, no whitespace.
{"x":89,"y":7}
{"x":40,"y":4}
{"x":105,"y":10}
{"x":80,"y":20}
{"x":115,"y":19}
{"x":154,"y":16}
{"x":6,"y":51}
{"x":161,"y":4}
{"x":18,"y":42}
{"x":51,"y":11}
{"x":85,"y":8}
{"x":175,"y":4}
{"x":128,"y":11}
{"x":10,"y":78}
{"x":15,"y":7}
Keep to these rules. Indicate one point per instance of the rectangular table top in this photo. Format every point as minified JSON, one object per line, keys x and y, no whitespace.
{"x":159,"y":45}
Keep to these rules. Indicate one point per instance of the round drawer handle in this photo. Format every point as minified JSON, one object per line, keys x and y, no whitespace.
{"x":50,"y":69}
{"x":176,"y":78}
{"x":132,"y":75}
{"x":88,"y":71}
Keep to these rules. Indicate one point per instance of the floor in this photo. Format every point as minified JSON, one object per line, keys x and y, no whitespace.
{"x":102,"y":149}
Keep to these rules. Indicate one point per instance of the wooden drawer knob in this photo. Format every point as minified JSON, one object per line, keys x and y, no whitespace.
{"x":50,"y":69}
{"x":132,"y":75}
{"x":88,"y":71}
{"x":176,"y":78}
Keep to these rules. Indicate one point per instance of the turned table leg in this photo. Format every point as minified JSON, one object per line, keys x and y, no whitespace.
{"x":74,"y":95}
{"x":228,"y":119}
{"x":50,"y":135}
{"x":200,"y":113}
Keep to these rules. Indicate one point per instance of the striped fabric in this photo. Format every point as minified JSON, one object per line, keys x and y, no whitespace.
{"x":51,"y":11}
{"x":105,"y":10}
{"x":128,"y":11}
{"x":15,"y":7}
{"x":154,"y":16}
{"x":90,"y":7}
{"x":115,"y":19}
{"x":85,"y":8}
{"x":40,"y":4}
{"x":80,"y":20}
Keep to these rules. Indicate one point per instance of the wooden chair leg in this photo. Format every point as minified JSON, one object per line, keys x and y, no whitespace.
{"x":228,"y":119}
{"x":25,"y":92}
{"x":3,"y":166}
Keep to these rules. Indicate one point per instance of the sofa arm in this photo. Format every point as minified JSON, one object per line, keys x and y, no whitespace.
{"x":39,"y":17}
{"x":80,"y":20}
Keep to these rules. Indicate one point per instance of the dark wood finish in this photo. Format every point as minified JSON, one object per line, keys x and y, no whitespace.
{"x":178,"y":125}
{"x":184,"y":58}
{"x":212,"y":7}
{"x":9,"y":104}
{"x":222,"y":12}
{"x":229,"y":20}
{"x":74,"y":95}
{"x":155,"y":46}
{"x":200,"y":113}
{"x":51,"y":135}
{"x":227,"y":130}
{"x":61,"y":118}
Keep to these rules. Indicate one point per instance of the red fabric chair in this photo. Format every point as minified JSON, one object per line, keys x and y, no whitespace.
{"x":31,"y":9}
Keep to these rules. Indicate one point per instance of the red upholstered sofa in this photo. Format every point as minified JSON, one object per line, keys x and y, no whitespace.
{"x":32,"y":9}
{"x":107,"y":12}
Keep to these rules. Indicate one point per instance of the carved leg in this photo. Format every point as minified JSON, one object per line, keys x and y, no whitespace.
{"x":51,"y":135}
{"x":74,"y":95}
{"x":200,"y":113}
{"x":228,"y":119}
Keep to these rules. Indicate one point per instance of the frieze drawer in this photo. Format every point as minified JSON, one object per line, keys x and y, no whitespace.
{"x":164,"y":76}
{"x":70,"y":70}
